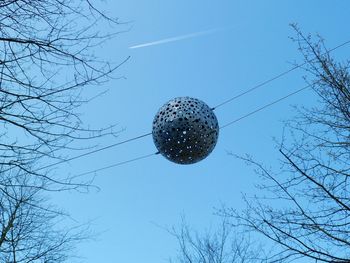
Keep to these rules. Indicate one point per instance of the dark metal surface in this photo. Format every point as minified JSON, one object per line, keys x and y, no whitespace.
{"x":185,"y":130}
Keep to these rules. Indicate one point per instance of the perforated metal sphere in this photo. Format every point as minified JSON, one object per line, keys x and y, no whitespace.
{"x":185,"y":130}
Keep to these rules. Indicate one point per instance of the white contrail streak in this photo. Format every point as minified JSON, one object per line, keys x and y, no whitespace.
{"x":178,"y":38}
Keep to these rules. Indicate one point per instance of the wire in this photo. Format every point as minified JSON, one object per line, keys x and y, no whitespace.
{"x":147,"y":134}
{"x":217,"y":106}
{"x":97,"y":150}
{"x":265,"y":106}
{"x":117,"y":164}
{"x":222,"y":127}
{"x":276,"y":77}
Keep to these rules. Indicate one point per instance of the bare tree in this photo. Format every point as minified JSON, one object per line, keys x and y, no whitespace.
{"x":46,"y":59}
{"x":31,"y":230}
{"x":224,"y":245}
{"x":304,"y":207}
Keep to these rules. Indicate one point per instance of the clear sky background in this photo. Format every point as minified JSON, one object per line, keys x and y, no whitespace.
{"x":250,"y":44}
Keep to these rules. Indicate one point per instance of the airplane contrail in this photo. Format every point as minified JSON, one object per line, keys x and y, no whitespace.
{"x":178,"y":38}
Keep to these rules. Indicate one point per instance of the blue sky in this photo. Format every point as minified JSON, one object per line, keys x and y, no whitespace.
{"x":251,"y":46}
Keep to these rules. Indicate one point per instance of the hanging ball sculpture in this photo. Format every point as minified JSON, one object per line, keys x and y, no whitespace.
{"x":185,"y":130}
